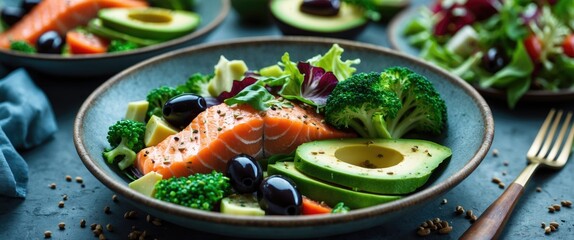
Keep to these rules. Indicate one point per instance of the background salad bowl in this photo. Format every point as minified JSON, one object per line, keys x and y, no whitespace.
{"x":469,"y":132}
{"x":211,"y":12}
{"x":401,"y":42}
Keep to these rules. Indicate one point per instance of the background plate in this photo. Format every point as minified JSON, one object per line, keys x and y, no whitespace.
{"x":400,"y":43}
{"x":469,"y":133}
{"x":212,"y":13}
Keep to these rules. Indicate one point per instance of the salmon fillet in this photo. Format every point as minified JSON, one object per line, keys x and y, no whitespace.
{"x":60,"y":16}
{"x":221,"y":132}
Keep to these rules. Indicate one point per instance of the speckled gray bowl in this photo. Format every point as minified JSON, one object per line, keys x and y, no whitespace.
{"x":212,"y":13}
{"x":469,"y":134}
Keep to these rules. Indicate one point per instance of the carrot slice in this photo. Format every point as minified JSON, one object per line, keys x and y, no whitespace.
{"x":313,"y":207}
{"x":86,"y":43}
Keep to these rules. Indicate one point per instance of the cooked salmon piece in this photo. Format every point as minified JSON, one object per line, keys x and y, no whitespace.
{"x":222,"y":132}
{"x":60,"y":16}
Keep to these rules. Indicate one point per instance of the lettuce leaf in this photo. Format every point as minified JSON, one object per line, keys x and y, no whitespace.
{"x":332,"y":62}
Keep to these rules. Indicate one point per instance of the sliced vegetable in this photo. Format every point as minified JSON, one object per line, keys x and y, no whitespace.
{"x":568,"y":45}
{"x":81,"y":42}
{"x":311,"y":207}
{"x":533,"y":46}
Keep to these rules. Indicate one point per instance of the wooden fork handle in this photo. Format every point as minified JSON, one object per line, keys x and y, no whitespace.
{"x":491,"y":223}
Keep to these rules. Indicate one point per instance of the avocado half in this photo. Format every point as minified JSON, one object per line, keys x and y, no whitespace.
{"x":348,"y":23}
{"x":383,"y":166}
{"x":149,"y":23}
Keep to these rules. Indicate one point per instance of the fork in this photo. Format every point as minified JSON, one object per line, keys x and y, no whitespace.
{"x":490,"y":224}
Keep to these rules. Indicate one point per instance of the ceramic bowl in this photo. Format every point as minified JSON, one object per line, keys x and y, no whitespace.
{"x":469,"y":133}
{"x":212,"y":13}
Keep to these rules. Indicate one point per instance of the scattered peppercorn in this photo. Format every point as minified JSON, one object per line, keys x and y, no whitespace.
{"x":444,"y":201}
{"x":538,"y":189}
{"x":115,"y":198}
{"x":47,"y":234}
{"x":459,"y":210}
{"x":496,"y":180}
{"x":61,"y":204}
{"x":542,"y":225}
{"x":436,"y":224}
{"x":65,"y":197}
{"x":501,"y":185}
{"x":109,"y":227}
{"x":547,"y":230}
{"x":68,"y":178}
{"x":62,"y":225}
{"x":130,"y":214}
{"x":93,"y":226}
{"x":107,"y":210}
{"x":566,"y":203}
{"x":495,"y":152}
{"x":79,"y":180}
{"x":52,"y":185}
{"x":556,"y":207}
{"x":102,"y":237}
{"x":82,"y":223}
{"x":551,"y":209}
{"x":469,"y":213}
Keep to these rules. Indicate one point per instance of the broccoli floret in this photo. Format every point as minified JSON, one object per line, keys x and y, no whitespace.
{"x":22,"y":46}
{"x":340,"y":208}
{"x":201,"y":190}
{"x":362,"y":103}
{"x":157,"y":97}
{"x":197,"y":84}
{"x":423,"y":110}
{"x":120,"y":46}
{"x":387,"y":105}
{"x":126,"y":137}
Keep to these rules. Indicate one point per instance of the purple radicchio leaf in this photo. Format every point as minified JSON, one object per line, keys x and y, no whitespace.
{"x":236,"y":88}
{"x":317,"y":84}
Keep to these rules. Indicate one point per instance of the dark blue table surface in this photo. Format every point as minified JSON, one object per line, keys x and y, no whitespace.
{"x":51,"y":162}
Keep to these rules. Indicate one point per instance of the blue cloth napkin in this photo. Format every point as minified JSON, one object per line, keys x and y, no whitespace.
{"x":26,"y":120}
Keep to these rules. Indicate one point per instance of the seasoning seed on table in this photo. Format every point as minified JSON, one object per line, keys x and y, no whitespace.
{"x":82,"y":223}
{"x":68,"y":178}
{"x":566,"y":203}
{"x":52,"y":185}
{"x":47,"y":234}
{"x":62,"y":225}
{"x":61,"y":204}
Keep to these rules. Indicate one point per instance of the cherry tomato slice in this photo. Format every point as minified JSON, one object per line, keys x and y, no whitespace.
{"x":533,"y":46}
{"x":85,"y":43}
{"x":568,"y":45}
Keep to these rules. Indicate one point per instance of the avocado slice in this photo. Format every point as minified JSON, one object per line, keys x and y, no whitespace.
{"x":150,"y":23}
{"x":329,"y":193}
{"x":95,"y":26}
{"x":348,"y":23}
{"x":384,"y":166}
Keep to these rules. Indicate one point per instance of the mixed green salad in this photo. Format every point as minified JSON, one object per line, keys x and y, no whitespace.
{"x":513,"y":45}
{"x":379,"y":165}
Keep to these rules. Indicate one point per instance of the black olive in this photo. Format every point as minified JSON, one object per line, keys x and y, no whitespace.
{"x":50,"y":42}
{"x":181,"y":109}
{"x":278,"y":195}
{"x":494,"y":59}
{"x":11,"y":15}
{"x":27,"y":5}
{"x":245,"y":173}
{"x":321,"y":7}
